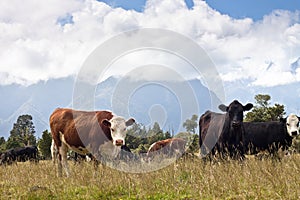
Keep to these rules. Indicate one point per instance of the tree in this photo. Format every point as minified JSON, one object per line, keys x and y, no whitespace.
{"x":262,"y":100}
{"x":23,"y":131}
{"x":263,"y":111}
{"x":2,"y":144}
{"x":44,"y":144}
{"x":136,"y":135}
{"x":193,"y":143}
{"x":12,"y":142}
{"x":168,"y":135}
{"x":191,"y":124}
{"x":155,"y":134}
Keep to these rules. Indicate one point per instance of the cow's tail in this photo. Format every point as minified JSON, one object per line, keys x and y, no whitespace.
{"x":54,"y":152}
{"x":201,"y":150}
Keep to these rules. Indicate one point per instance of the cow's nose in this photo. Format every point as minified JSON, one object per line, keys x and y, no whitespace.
{"x":294,"y":133}
{"x":119,"y":142}
{"x":236,"y":124}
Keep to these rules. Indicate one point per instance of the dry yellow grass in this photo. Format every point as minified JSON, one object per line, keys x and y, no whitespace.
{"x":185,"y":179}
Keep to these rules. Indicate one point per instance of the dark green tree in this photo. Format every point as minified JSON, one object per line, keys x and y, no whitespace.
{"x":2,"y":144}
{"x":44,"y":144}
{"x":263,"y":111}
{"x":191,"y":124}
{"x":23,"y":131}
{"x":168,"y":135}
{"x":136,"y":135}
{"x":142,"y":148}
{"x":12,"y":142}
{"x":193,"y":143}
{"x":155,"y":133}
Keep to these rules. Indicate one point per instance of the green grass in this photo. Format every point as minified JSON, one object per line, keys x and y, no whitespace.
{"x":185,"y":179}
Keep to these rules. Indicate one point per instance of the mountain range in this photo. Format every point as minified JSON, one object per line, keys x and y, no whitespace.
{"x":149,"y":102}
{"x":168,"y":103}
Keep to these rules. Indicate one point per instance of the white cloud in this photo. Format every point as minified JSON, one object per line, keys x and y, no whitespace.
{"x":34,"y":46}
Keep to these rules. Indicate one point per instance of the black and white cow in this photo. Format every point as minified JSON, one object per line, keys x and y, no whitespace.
{"x":271,"y":136}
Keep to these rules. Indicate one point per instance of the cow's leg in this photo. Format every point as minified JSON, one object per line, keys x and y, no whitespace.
{"x":96,"y":161}
{"x":219,"y":150}
{"x":53,"y":151}
{"x":59,"y":166}
{"x":62,"y":161}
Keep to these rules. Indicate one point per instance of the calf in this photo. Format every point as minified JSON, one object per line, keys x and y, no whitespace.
{"x":169,"y":147}
{"x":94,"y":132}
{"x":271,"y":136}
{"x":223,"y":133}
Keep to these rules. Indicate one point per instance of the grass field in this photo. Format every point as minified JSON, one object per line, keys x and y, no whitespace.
{"x":185,"y":179}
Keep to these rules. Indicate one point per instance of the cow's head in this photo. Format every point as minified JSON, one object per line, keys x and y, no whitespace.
{"x":235,"y":111}
{"x":292,"y":124}
{"x":118,"y":127}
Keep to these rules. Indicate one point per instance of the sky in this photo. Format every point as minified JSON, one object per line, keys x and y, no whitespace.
{"x":256,"y":41}
{"x":253,"y":44}
{"x":238,"y":9}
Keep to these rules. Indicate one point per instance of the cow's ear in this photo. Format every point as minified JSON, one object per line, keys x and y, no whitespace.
{"x":248,"y":107}
{"x":283,"y":120}
{"x":129,"y":122}
{"x":223,"y":108}
{"x":105,"y":122}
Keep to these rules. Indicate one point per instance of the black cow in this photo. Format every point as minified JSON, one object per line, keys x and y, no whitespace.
{"x":26,"y":153}
{"x":223,"y":133}
{"x":271,"y":136}
{"x":20,"y":154}
{"x":7,"y":157}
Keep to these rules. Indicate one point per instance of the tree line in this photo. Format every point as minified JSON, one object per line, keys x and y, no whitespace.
{"x":139,"y":138}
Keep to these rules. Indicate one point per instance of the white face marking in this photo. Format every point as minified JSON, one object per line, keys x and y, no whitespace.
{"x":292,"y":125}
{"x":118,"y":130}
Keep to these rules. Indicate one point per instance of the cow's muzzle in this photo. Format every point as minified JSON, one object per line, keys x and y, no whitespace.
{"x":236,"y":124}
{"x":294,"y":133}
{"x":119,"y":142}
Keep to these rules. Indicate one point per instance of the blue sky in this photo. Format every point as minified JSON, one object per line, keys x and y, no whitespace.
{"x":254,"y":9}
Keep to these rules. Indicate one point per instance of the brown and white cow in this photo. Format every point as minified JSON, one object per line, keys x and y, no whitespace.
{"x":169,"y":147}
{"x":86,"y":132}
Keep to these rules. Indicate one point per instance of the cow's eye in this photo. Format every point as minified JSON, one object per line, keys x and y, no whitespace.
{"x":124,"y":129}
{"x":287,"y":124}
{"x":113,"y":130}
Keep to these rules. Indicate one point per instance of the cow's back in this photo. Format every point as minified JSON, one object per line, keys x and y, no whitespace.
{"x":79,"y":127}
{"x":211,"y":126}
{"x":261,"y":135}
